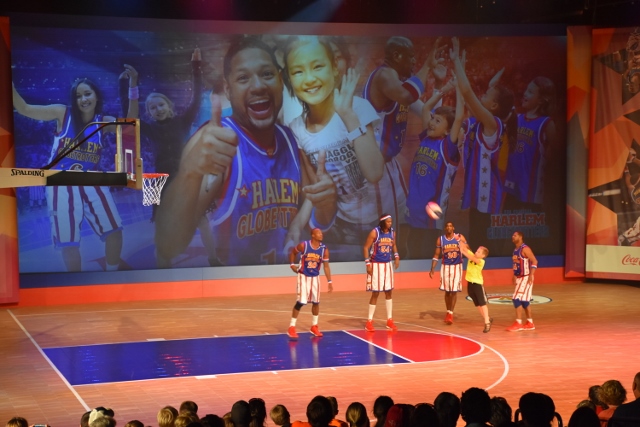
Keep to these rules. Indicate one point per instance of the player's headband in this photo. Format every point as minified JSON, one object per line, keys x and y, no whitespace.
{"x":385,"y":217}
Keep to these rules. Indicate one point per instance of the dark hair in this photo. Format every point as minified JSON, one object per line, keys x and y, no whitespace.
{"x":258,"y":412}
{"x":475,"y":405}
{"x":537,"y":409}
{"x":319,"y":412}
{"x":449,"y":114}
{"x":289,"y":45}
{"x":212,"y":420}
{"x":424,"y":415}
{"x":241,"y":413}
{"x":134,"y":423}
{"x":188,"y":406}
{"x":547,"y":94}
{"x":76,"y":115}
{"x":84,"y":420}
{"x":332,"y":400}
{"x":380,"y":408}
{"x":241,"y":43}
{"x":447,"y":405}
{"x":584,"y":417}
{"x":501,"y":413}
{"x":381,"y":224}
{"x":394,"y":44}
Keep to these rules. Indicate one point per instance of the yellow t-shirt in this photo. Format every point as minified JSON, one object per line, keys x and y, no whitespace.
{"x":474,"y":271}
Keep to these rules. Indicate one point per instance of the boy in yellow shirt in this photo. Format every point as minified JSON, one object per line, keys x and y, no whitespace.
{"x":475,"y":281}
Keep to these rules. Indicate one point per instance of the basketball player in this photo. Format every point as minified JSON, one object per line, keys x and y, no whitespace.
{"x":313,"y":255}
{"x":391,"y":89}
{"x":448,"y":245}
{"x":69,"y":205}
{"x":378,"y":250}
{"x":251,"y":166}
{"x":524,"y":267}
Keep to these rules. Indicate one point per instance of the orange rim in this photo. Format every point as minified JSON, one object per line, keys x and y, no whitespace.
{"x":154,"y":175}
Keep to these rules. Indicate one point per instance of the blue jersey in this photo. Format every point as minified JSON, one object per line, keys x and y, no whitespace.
{"x":84,"y":158}
{"x":483,"y":178}
{"x":382,"y":248}
{"x":258,"y":201}
{"x":311,"y":259}
{"x":525,"y":170}
{"x":391,"y":129}
{"x":432,"y":172}
{"x":450,"y":248}
{"x":521,"y":265}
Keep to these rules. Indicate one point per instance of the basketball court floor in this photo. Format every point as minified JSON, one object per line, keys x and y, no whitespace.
{"x":58,"y":362}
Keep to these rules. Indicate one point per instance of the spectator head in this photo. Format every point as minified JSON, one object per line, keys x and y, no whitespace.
{"x":356,"y":415}
{"x":589,"y":404}
{"x":319,"y":412}
{"x":594,"y":390}
{"x":188,"y":406}
{"x":187,"y":419}
{"x":226,"y":418}
{"x":380,"y":408}
{"x":424,"y":415}
{"x":584,"y":417}
{"x":612,"y":393}
{"x":103,"y":421}
{"x":636,"y":386}
{"x":334,"y":405}
{"x":241,"y":413}
{"x":84,"y":420}
{"x":447,"y":406}
{"x":167,"y":416}
{"x":537,"y":409}
{"x":17,"y":422}
{"x":475,"y":406}
{"x":211,"y":420}
{"x":258,"y":412}
{"x":501,"y":413}
{"x":280,"y":416}
{"x":134,"y":423}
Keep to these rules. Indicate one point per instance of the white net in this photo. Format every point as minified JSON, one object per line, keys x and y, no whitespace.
{"x":152,"y":184}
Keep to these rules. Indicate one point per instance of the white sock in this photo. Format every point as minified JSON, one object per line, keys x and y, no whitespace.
{"x":372,"y":309}
{"x":450,"y":311}
{"x":314,"y":321}
{"x":110,"y":267}
{"x":389,"y":304}
{"x":530,"y":320}
{"x":519,"y":321}
{"x":293,"y":321}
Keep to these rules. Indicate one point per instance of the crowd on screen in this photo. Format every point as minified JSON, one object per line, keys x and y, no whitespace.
{"x":605,"y":407}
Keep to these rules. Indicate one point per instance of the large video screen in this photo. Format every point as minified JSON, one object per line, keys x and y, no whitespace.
{"x":266,"y":136}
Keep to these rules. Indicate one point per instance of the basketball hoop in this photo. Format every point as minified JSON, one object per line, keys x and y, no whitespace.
{"x":152,"y":184}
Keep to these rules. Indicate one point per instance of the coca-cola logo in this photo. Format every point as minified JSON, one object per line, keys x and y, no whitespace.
{"x":630,"y":260}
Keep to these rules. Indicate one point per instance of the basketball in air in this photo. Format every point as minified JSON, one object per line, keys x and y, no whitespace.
{"x":433,"y":210}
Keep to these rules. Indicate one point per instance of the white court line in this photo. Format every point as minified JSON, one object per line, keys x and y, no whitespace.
{"x":381,"y":348}
{"x":64,"y":380}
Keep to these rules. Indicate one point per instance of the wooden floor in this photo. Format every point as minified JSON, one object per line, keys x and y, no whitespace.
{"x":587,"y":334}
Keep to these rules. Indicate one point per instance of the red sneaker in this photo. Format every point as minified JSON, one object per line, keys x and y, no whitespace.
{"x":391,"y":325}
{"x":369,"y":326}
{"x":292,"y":333}
{"x":315,"y":331}
{"x":515,"y":327}
{"x":529,"y":326}
{"x":448,"y":319}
